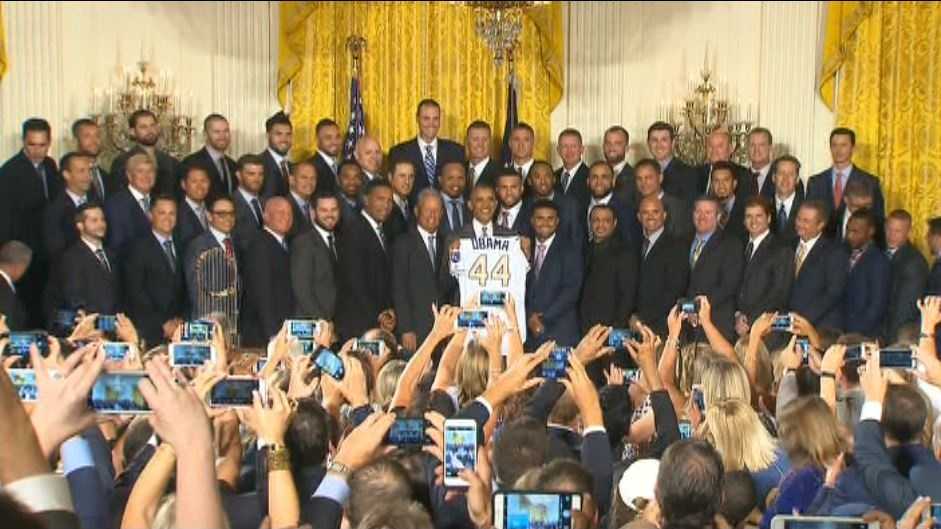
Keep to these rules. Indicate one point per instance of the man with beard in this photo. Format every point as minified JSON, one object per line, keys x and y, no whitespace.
{"x":601,"y":187}
{"x":327,"y":158}
{"x":248,"y":201}
{"x":664,"y":268}
{"x":610,"y":274}
{"x":615,"y":145}
{"x":89,"y":271}
{"x":277,"y":166}
{"x":145,"y":129}
{"x":87,"y":137}
{"x":314,"y":260}
{"x":212,"y":157}
{"x":542,"y":186}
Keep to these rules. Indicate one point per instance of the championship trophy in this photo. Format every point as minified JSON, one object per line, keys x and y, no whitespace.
{"x":217,"y":291}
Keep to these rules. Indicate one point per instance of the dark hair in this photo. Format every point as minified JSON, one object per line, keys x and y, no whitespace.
{"x":758,"y":201}
{"x":308,"y":436}
{"x":137,"y":114}
{"x":346,"y":163}
{"x":36,"y":125}
{"x":523,"y":444}
{"x":401,"y":161}
{"x":193,"y":167}
{"x":689,"y":485}
{"x":374,"y":184}
{"x":739,"y":497}
{"x":541,"y":163}
{"x":324,"y":123}
{"x":212,"y":117}
{"x":934,"y":226}
{"x":723,"y":165}
{"x":522,"y":125}
{"x":648,"y":162}
{"x":900,"y":214}
{"x":80,"y":212}
{"x":396,"y":515}
{"x":426,"y":102}
{"x":296,"y":166}
{"x":866,"y":216}
{"x":483,"y":185}
{"x":278,"y":118}
{"x":545,"y":203}
{"x":248,"y":159}
{"x":220,"y":198}
{"x":79,"y":123}
{"x":661,"y":125}
{"x":161,"y":198}
{"x":844,"y":131}
{"x":787,"y":158}
{"x":18,"y":515}
{"x":904,"y":413}
{"x":603,"y":207}
{"x":857,"y":188}
{"x":478,"y":124}
{"x":618,"y":128}
{"x":325,"y":195}
{"x":762,"y":130}
{"x":66,"y":162}
{"x":380,"y":482}
{"x":708,"y":198}
{"x":817,"y":206}
{"x":15,"y":252}
{"x":506,"y":171}
{"x":570,"y":132}
{"x":599,"y":163}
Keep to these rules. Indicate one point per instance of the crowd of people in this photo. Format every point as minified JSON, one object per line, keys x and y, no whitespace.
{"x":758,"y":307}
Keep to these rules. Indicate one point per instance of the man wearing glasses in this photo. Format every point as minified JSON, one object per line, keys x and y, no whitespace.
{"x":219,"y":235}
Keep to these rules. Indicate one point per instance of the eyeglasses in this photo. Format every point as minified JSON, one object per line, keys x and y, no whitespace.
{"x":223,"y":213}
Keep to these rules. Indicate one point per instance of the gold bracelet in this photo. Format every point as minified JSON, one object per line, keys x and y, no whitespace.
{"x":279,"y":458}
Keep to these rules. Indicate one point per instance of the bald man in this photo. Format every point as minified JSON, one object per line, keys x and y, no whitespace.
{"x":268,"y":298}
{"x":368,"y":153}
{"x":719,"y":149}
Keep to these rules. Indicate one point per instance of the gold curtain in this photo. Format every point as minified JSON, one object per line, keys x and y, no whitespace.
{"x":4,"y":64}
{"x":413,"y":50}
{"x":882,"y":77}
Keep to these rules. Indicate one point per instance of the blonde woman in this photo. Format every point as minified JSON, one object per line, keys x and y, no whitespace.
{"x":386,"y":382}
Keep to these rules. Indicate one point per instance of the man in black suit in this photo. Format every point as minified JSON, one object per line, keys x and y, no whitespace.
{"x":731,"y":206}
{"x":427,"y":152}
{"x":145,"y":130}
{"x":368,"y":154}
{"x":153,"y":276}
{"x":601,"y":185}
{"x":59,"y":216}
{"x":249,"y":204}
{"x":909,"y":275}
{"x":314,"y":261}
{"x":192,"y":217}
{"x":760,"y":143}
{"x":212,"y":157}
{"x":933,"y":238}
{"x":303,"y":184}
{"x":402,"y":180}
{"x":219,"y":235}
{"x":829,"y":186}
{"x":554,"y":282}
{"x":522,"y":143}
{"x":267,"y":301}
{"x":350,"y":184}
{"x":29,"y":181}
{"x":14,"y":261}
{"x":480,"y":166}
{"x":542,"y":186}
{"x":819,"y":268}
{"x":88,"y":141}
{"x":664,"y":266}
{"x":788,"y":196}
{"x":327,"y":158}
{"x":769,"y":267}
{"x":277,"y":166}
{"x":420,"y":274}
{"x":719,"y":149}
{"x":615,"y":144}
{"x":128,"y":209}
{"x":679,"y":179}
{"x":364,"y":294}
{"x":868,"y":282}
{"x":89,"y":271}
{"x":572,"y":177}
{"x":453,"y":183}
{"x":649,"y":182}
{"x":716,"y":262}
{"x":856,"y":197}
{"x":610,"y":285}
{"x":513,"y":214}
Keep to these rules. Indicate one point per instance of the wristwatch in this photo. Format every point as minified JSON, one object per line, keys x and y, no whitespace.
{"x":279,"y":457}
{"x":336,"y":467}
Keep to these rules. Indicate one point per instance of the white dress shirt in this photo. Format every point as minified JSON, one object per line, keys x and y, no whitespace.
{"x":375,"y":226}
{"x":478,"y":228}
{"x":78,"y":200}
{"x":788,"y":202}
{"x":762,"y":174}
{"x":524,"y":167}
{"x":571,"y":173}
{"x":513,"y":212}
{"x":808,"y":245}
{"x":756,"y":242}
{"x":9,"y":281}
{"x":478,"y":169}
{"x":138,"y":196}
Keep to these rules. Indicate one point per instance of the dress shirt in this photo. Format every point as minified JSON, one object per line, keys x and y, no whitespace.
{"x":78,"y":200}
{"x":478,"y":228}
{"x":756,"y":242}
{"x":331,"y":161}
{"x":664,"y":163}
{"x":220,"y":237}
{"x":524,"y":167}
{"x":619,"y":167}
{"x":248,"y":200}
{"x":279,"y":238}
{"x":846,"y":176}
{"x":652,"y":238}
{"x":9,"y":280}
{"x":808,"y":245}
{"x":547,"y":243}
{"x":161,"y":239}
{"x":788,"y":202}
{"x":401,"y":203}
{"x":94,"y":246}
{"x":478,"y":169}
{"x":301,"y":201}
{"x":423,"y":147}
{"x":513,"y":213}
{"x":762,"y":174}
{"x":846,"y":219}
{"x":596,"y":202}
{"x":138,"y":196}
{"x":278,"y":158}
{"x":218,"y":158}
{"x":571,"y":173}
{"x":370,"y":176}
{"x":325,"y":235}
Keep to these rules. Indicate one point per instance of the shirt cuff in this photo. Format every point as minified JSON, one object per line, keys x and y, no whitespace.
{"x":871,"y":411}
{"x":43,"y":492}
{"x":592,"y":429}
{"x":76,"y":454}
{"x":333,"y":487}
{"x":485,"y":404}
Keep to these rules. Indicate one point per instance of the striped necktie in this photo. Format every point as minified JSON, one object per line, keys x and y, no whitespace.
{"x":430,"y":164}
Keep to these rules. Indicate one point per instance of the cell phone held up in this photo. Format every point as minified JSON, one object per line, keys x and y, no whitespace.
{"x":553,"y":367}
{"x":460,"y":450}
{"x":328,"y":362}
{"x":688,"y":306}
{"x":407,"y":433}
{"x":191,"y":354}
{"x":539,"y":509}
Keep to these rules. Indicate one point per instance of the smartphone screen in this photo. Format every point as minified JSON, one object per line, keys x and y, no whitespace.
{"x":699,"y":398}
{"x":116,"y":351}
{"x":492,"y":298}
{"x":631,"y":376}
{"x":24,"y":380}
{"x":20,"y":341}
{"x":331,"y":364}
{"x":407,"y":433}
{"x":302,"y":328}
{"x":898,"y":357}
{"x":118,"y":393}
{"x":543,"y":510}
{"x":618,"y":339}
{"x":373,"y":347}
{"x":936,"y":513}
{"x":688,"y":305}
{"x":686,"y":429}
{"x":854,"y":353}
{"x":782,"y":323}
{"x":197,"y":331}
{"x":64,"y":322}
{"x":106,"y":322}
{"x":233,"y":392}
{"x":553,"y":367}
{"x":803,"y":347}
{"x":472,"y":319}
{"x":798,"y":522}
{"x":460,"y":450}
{"x":189,"y":354}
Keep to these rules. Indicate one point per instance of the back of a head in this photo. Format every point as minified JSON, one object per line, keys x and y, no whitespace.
{"x":809,"y":433}
{"x":381,"y":482}
{"x":398,"y":515}
{"x":387,"y":381}
{"x":737,"y":433}
{"x":904,"y":413}
{"x":522,"y":444}
{"x":308,"y":436}
{"x":689,"y":485}
{"x":472,"y":372}
{"x":723,"y":379}
{"x":739,"y":498}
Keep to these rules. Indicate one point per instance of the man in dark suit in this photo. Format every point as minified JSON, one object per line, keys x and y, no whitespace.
{"x":679,"y":179}
{"x":192,"y":217}
{"x":649,"y":182}
{"x":89,"y":271}
{"x":314,"y":261}
{"x":212,"y":157}
{"x":420,"y":275}
{"x":719,"y":149}
{"x":402,"y":180}
{"x":303,"y":184}
{"x":731,"y":206}
{"x":249,"y":204}
{"x":933,"y":239}
{"x":542,"y":186}
{"x":769,"y":267}
{"x":427,"y":152}
{"x":277,"y":166}
{"x":610,"y":282}
{"x":145,"y":130}
{"x":219,"y":235}
{"x":819,"y":268}
{"x":15,"y":258}
{"x":480,"y":166}
{"x":857,"y":196}
{"x":364,"y":294}
{"x":153,"y":277}
{"x":788,"y":196}
{"x":29,"y":181}
{"x":601,"y":185}
{"x":829,"y":186}
{"x":513,"y":214}
{"x":868,"y":283}
{"x":368,"y":154}
{"x":522,"y":143}
{"x":453,"y":182}
{"x":615,"y":144}
{"x":128,"y":209}
{"x":664,"y":266}
{"x":350,"y":184}
{"x":327,"y":158}
{"x":554,"y":282}
{"x":267,"y":301}
{"x":909,"y":275}
{"x":760,"y":144}
{"x":572,"y":177}
{"x":87,"y":138}
{"x":716,"y":262}
{"x":59,"y":216}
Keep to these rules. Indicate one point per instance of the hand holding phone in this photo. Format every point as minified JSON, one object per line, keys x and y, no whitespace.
{"x":235,"y":392}
{"x":20,"y":342}
{"x":553,"y":368}
{"x":328,"y":362}
{"x":783,"y":323}
{"x":460,"y":450}
{"x":407,"y":433}
{"x":472,"y":319}
{"x":118,"y":393}
{"x":191,"y":354}
{"x":540,"y":509}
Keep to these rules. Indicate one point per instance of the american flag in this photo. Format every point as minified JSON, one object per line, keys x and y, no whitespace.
{"x":357,"y":127}
{"x":511,"y":120}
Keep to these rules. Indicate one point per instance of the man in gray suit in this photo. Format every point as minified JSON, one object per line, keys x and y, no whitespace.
{"x":219,"y":235}
{"x":313,"y":259}
{"x":649,"y":181}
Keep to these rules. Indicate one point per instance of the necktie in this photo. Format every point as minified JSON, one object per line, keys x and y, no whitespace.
{"x":145,"y":203}
{"x":256,"y":209}
{"x":697,"y":250}
{"x":229,"y":248}
{"x":755,"y":175}
{"x":333,"y":167}
{"x":82,"y":200}
{"x":854,"y":257}
{"x":749,"y":249}
{"x":483,"y":230}
{"x":430,"y":165}
{"x":168,"y":249}
{"x":103,"y":259}
{"x":333,"y":246}
{"x":782,"y":218}
{"x":97,"y":184}
{"x":565,"y":181}
{"x":432,"y":251}
{"x":201,"y":215}
{"x":405,"y":209}
{"x":505,"y":219}
{"x":41,"y":171}
{"x":284,"y":245}
{"x":890,"y":253}
{"x":306,"y":209}
{"x":382,"y":235}
{"x":540,"y":257}
{"x":456,"y":221}
{"x":644,"y":247}
{"x":519,"y":169}
{"x":224,"y":171}
{"x":473,"y":174}
{"x":285,"y":171}
{"x":838,"y":190}
{"x":799,"y":258}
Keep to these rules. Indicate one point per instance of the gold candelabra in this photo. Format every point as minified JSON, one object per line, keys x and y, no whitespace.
{"x":500,"y":24}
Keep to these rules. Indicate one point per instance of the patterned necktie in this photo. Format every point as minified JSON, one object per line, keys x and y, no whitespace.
{"x":229,"y":247}
{"x":171,"y":257}
{"x":306,"y":209}
{"x":82,"y":200}
{"x":103,"y":259}
{"x":644,"y":248}
{"x":201,"y":215}
{"x":838,"y":190}
{"x":224,"y":171}
{"x":540,"y":257}
{"x":382,"y":236}
{"x":505,"y":219}
{"x":432,"y":251}
{"x":799,"y":258}
{"x":456,"y":221}
{"x":749,"y":249}
{"x":483,"y":229}
{"x":854,"y":257}
{"x":782,"y":218}
{"x":565,"y":181}
{"x":256,"y":209}
{"x":430,"y":165}
{"x":697,"y":250}
{"x":333,"y":167}
{"x":145,"y":203}
{"x":285,"y":170}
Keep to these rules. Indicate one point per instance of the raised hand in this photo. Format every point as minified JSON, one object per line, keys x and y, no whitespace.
{"x":873,"y":380}
{"x":583,"y":393}
{"x":361,"y":445}
{"x":272,"y":422}
{"x":591,"y":347}
{"x":298,"y":387}
{"x":125,"y":329}
{"x":179,"y":416}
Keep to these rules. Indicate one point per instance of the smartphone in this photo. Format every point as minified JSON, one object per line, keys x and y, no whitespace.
{"x":854,"y":354}
{"x":235,"y":392}
{"x":191,"y":354}
{"x":689,"y":306}
{"x":783,"y":323}
{"x":519,"y":509}
{"x":106,"y":323}
{"x":118,"y":393}
{"x":64,"y":322}
{"x":699,"y":398}
{"x":21,"y":340}
{"x":803,"y":346}
{"x":897,"y":357}
{"x":934,"y":513}
{"x":197,"y":331}
{"x":460,"y":450}
{"x":407,"y":433}
{"x":116,"y":351}
{"x":472,"y":319}
{"x":260,"y":365}
{"x":303,"y":329}
{"x":618,"y":338}
{"x":631,"y":376}
{"x":373,"y":347}
{"x":489,"y":298}
{"x":306,"y":347}
{"x":820,"y":522}
{"x":686,"y":429}
{"x":553,"y":368}
{"x":24,"y":380}
{"x":330,"y":363}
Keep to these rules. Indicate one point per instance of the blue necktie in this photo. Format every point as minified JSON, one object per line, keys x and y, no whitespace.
{"x":430,"y":165}
{"x":168,"y":249}
{"x":782,"y":219}
{"x":256,"y":208}
{"x":456,"y":221}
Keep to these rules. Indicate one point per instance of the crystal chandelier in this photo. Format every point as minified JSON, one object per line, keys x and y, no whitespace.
{"x":500,"y":24}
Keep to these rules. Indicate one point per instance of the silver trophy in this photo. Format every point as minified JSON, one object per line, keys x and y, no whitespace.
{"x":217,"y":291}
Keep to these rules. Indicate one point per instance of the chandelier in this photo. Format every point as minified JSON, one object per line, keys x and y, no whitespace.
{"x":500,"y":24}
{"x":143,"y":88}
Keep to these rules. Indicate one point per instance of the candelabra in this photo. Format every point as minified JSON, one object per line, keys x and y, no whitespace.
{"x":500,"y":24}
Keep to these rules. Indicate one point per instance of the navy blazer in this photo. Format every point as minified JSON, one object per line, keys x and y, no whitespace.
{"x":681,"y":180}
{"x":276,"y":184}
{"x":866,"y":296}
{"x":820,"y":187}
{"x":817,"y":292}
{"x":578,"y":187}
{"x":153,"y":291}
{"x":447,"y":151}
{"x":86,"y":283}
{"x":628,"y":228}
{"x":22,"y":200}
{"x":188,"y":226}
{"x":217,"y":184}
{"x":909,"y":278}
{"x":197,"y":246}
{"x":717,"y":275}
{"x":934,"y":279}
{"x":554,"y":293}
{"x":127,"y":222}
{"x":326,"y":178}
{"x":247,"y":225}
{"x":167,"y":181}
{"x":268,"y":299}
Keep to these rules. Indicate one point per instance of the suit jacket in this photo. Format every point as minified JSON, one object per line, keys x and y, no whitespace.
{"x":417,"y":282}
{"x":302,"y":222}
{"x":398,"y":224}
{"x":681,"y":180}
{"x":217,"y":184}
{"x":820,"y":187}
{"x":663,"y":277}
{"x":268,"y":295}
{"x":866,"y":296}
{"x":736,"y":223}
{"x":554,"y":293}
{"x":746,"y":187}
{"x":153,"y":289}
{"x":836,"y":229}
{"x":717,"y":275}
{"x":571,"y":223}
{"x":487,"y":176}
{"x":679,"y":216}
{"x":447,"y":151}
{"x":578,"y":187}
{"x":767,"y":278}
{"x":58,"y":225}
{"x":326,"y":178}
{"x":87,"y":283}
{"x":610,"y":285}
{"x":247,"y":225}
{"x":934,"y":279}
{"x":22,"y":199}
{"x":188,"y":226}
{"x":364,"y":279}
{"x":788,"y":234}
{"x":522,"y":224}
{"x":108,"y":180}
{"x":127,"y":222}
{"x":313,"y":281}
{"x":446,"y":226}
{"x":626,"y":185}
{"x":817,"y":292}
{"x":12,"y":307}
{"x":276,"y":183}
{"x":909,"y":279}
{"x":168,"y":170}
{"x":199,"y":244}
